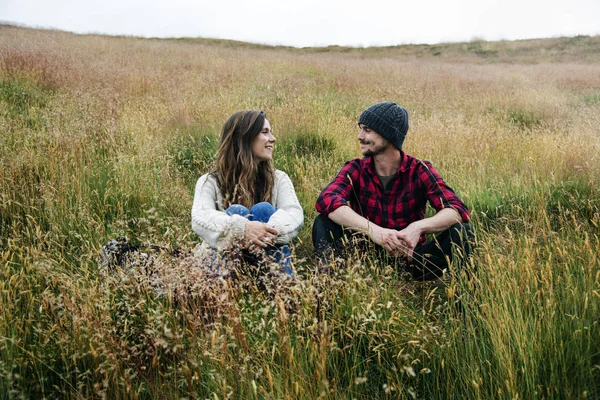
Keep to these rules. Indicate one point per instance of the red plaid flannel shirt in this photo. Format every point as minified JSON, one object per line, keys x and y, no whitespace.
{"x":358,"y":186}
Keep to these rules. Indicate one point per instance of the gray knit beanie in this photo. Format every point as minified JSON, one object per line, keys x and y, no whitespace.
{"x":387,"y":119}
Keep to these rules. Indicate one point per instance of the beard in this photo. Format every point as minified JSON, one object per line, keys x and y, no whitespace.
{"x":376,"y":150}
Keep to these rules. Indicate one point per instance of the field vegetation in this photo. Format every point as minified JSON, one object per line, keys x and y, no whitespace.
{"x":102,"y":137}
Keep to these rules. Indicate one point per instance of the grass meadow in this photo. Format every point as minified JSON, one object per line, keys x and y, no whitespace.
{"x":102,"y":137}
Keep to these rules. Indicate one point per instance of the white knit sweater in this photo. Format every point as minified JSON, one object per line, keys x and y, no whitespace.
{"x":218,"y":230}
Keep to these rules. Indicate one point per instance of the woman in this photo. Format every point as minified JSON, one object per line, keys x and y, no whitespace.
{"x":245,"y":209}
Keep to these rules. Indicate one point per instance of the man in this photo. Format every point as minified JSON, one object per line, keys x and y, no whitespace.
{"x":384,"y":197}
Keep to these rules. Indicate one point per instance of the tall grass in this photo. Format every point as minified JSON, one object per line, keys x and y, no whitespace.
{"x":104,"y":137}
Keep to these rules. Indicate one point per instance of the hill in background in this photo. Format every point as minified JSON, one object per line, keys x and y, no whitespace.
{"x":580,"y":48}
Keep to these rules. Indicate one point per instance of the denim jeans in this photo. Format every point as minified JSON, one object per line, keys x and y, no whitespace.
{"x":261,"y":212}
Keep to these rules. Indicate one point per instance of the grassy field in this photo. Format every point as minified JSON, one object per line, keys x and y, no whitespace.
{"x":103,"y":137}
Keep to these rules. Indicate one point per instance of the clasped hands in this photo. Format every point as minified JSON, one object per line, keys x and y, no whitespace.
{"x":259,"y":234}
{"x":397,"y":243}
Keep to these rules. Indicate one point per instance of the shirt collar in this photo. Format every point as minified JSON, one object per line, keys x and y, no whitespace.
{"x":404,"y":163}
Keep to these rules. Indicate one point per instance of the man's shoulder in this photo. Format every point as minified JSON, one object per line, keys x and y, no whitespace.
{"x":356,"y":166}
{"x":357,"y":162}
{"x":412,"y":162}
{"x":410,"y":159}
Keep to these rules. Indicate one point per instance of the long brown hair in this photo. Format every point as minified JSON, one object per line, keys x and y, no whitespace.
{"x":243,"y":179}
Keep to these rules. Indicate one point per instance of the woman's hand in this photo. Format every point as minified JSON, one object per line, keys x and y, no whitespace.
{"x":259,"y":234}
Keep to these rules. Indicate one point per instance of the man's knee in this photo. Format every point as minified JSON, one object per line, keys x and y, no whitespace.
{"x":321,"y":230}
{"x":462,"y":235}
{"x":325,"y":235}
{"x":463,"y":228}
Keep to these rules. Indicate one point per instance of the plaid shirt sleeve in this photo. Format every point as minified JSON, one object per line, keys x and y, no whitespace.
{"x":340,"y":190}
{"x":439,"y":194}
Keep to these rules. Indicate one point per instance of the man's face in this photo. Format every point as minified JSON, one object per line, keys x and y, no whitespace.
{"x":371,"y":142}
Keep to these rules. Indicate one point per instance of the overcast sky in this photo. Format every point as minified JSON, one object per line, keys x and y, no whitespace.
{"x":314,"y":22}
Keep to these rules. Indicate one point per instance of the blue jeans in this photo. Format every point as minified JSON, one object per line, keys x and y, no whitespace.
{"x":261,"y":212}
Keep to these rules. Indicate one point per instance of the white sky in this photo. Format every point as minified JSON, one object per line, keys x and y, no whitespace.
{"x":314,"y":22}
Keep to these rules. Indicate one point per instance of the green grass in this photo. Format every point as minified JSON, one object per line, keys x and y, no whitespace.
{"x":591,"y":99}
{"x":95,"y":145}
{"x":193,"y":154}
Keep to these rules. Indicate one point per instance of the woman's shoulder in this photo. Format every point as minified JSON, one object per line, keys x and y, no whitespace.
{"x":208,"y":177}
{"x":279,"y":174}
{"x":207,"y":182}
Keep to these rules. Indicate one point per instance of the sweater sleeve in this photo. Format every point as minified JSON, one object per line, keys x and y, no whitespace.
{"x":289,"y":217}
{"x":215,"y":227}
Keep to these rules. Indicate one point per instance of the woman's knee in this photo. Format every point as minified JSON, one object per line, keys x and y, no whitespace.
{"x":237,"y":209}
{"x":262,"y":211}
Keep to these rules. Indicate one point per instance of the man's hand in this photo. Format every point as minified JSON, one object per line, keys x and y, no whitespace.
{"x":410,"y":238}
{"x":259,"y":234}
{"x":389,"y":239}
{"x":397,"y":243}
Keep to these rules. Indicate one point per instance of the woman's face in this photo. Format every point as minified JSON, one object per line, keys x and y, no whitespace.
{"x":264,"y":143}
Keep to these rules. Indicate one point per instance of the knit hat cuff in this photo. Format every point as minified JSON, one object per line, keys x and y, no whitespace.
{"x":376,"y":123}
